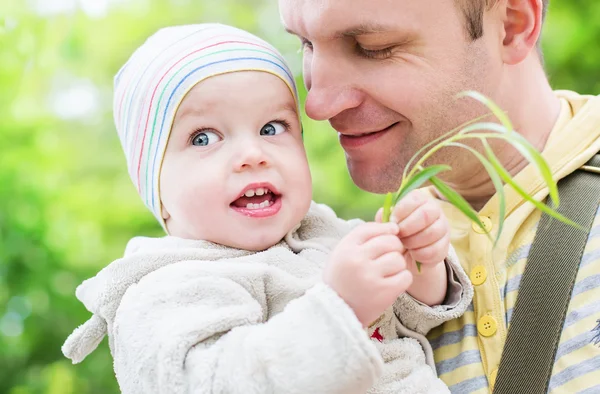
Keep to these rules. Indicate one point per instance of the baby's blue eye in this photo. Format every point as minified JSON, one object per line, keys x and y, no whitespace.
{"x":273,"y":128}
{"x":205,"y":138}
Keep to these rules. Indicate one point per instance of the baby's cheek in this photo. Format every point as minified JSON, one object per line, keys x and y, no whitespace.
{"x":199,"y":200}
{"x":199,"y":211}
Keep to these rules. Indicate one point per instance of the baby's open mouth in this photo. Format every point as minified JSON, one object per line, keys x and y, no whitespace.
{"x":258,"y":198}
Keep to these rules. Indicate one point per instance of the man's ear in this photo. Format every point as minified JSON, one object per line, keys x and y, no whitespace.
{"x":522,"y":28}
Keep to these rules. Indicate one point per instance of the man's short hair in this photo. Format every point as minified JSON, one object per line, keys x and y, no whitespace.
{"x":473,"y":11}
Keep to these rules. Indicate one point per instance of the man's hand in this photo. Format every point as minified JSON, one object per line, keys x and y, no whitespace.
{"x":368,"y":271}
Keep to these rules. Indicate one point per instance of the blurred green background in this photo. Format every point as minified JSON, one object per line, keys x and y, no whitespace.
{"x":67,"y":206}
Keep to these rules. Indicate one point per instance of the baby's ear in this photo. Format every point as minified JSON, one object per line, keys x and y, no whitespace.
{"x":163,"y":212}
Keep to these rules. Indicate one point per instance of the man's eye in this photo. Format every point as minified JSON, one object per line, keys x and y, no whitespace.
{"x":374,"y":54}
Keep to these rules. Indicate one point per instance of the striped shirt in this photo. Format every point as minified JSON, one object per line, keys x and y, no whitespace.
{"x":467,"y":350}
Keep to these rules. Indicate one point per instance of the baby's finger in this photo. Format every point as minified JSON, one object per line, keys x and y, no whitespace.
{"x":429,"y":235}
{"x":421,"y":218}
{"x":378,"y":246}
{"x":390,"y":264}
{"x":366,"y":231}
{"x":379,"y":215}
{"x":399,"y":283}
{"x":407,"y":205}
{"x":434,"y":253}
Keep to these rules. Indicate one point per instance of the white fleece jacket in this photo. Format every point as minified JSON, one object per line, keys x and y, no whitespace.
{"x":187,"y":316}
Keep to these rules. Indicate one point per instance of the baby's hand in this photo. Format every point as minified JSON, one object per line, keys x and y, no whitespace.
{"x":367,"y":269}
{"x":424,"y":231}
{"x":423,"y":228}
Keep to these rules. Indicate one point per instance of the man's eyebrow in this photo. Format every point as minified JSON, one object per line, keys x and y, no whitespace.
{"x":363,"y":29}
{"x":354,"y":31}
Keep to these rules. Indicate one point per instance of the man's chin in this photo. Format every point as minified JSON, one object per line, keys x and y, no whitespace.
{"x":371,"y":178}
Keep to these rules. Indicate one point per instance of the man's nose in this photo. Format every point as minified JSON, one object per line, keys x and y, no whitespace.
{"x":331,"y":89}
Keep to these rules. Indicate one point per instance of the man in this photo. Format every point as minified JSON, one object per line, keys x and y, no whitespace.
{"x":385,"y":74}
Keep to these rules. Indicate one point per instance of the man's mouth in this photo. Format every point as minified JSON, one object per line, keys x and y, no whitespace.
{"x":258,"y":200}
{"x":355,"y":140}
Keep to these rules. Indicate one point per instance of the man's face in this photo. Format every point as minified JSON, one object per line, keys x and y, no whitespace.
{"x":386,"y":75}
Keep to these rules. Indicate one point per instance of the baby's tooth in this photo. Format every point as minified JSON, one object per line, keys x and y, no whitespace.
{"x":249,"y":193}
{"x":264,"y":204}
{"x":260,"y":191}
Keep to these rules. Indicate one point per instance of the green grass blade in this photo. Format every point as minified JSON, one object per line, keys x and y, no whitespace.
{"x":419,"y":179}
{"x":458,"y":201}
{"x":481,"y":126}
{"x":534,"y":157}
{"x":418,"y":266}
{"x":437,"y":140}
{"x":508,"y":179}
{"x":387,"y":208}
{"x":497,"y":111}
{"x":498,"y":185}
{"x":531,"y":154}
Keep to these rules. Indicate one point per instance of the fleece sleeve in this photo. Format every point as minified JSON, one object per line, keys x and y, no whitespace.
{"x":206,"y":334}
{"x":421,"y":318}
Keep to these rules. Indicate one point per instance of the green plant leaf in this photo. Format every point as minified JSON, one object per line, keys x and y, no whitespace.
{"x":497,"y":111}
{"x":437,"y":140}
{"x":458,"y":201}
{"x":481,"y":126}
{"x":508,"y":179}
{"x":498,"y":185}
{"x":531,"y":154}
{"x":534,"y":157}
{"x":418,"y":266}
{"x":387,"y":208}
{"x":419,"y":179}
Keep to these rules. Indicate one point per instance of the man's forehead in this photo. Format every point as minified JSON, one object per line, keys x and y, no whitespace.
{"x":330,"y":19}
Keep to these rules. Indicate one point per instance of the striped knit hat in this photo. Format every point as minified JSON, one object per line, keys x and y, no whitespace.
{"x":151,"y":85}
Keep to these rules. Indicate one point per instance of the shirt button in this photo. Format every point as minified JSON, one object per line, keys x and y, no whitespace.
{"x":487,"y":326}
{"x":478,"y":275}
{"x":487,"y":225}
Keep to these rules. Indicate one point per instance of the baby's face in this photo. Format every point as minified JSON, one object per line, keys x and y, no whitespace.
{"x":235,"y":169}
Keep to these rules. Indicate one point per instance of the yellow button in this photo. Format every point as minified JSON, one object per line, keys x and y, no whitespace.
{"x":487,"y":225}
{"x":493,"y":377}
{"x":487,"y":326}
{"x":478,"y":275}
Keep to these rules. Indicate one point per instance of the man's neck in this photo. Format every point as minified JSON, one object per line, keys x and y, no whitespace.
{"x":533,"y":108}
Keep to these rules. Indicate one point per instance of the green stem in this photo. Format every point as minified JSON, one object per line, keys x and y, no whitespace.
{"x":435,"y":141}
{"x":419,"y":165}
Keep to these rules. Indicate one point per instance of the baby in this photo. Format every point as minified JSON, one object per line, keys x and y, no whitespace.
{"x":256,"y":289}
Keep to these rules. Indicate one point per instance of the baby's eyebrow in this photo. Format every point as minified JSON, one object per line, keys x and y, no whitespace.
{"x":289,"y":108}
